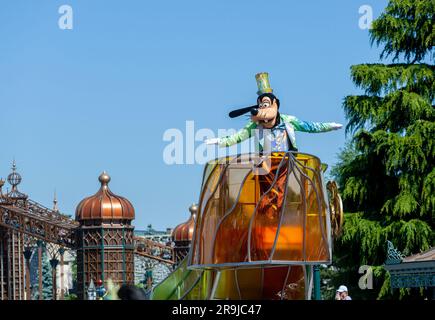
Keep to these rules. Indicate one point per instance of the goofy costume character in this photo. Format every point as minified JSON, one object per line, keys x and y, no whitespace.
{"x":276,"y":133}
{"x":280,"y":133}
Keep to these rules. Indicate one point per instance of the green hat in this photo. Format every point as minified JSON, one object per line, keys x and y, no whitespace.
{"x":263,"y":83}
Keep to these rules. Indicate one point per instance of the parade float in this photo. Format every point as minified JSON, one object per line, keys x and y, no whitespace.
{"x":245,"y":248}
{"x":265,"y":220}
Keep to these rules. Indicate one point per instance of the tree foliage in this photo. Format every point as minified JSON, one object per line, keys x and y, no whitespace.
{"x":406,"y":27}
{"x":386,"y":172}
{"x":47,"y":279}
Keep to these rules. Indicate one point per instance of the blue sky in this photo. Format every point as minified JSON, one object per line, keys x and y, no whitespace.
{"x":99,"y":97}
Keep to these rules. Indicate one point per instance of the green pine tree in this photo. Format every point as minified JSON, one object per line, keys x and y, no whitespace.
{"x":47,"y":280}
{"x":386,"y":172}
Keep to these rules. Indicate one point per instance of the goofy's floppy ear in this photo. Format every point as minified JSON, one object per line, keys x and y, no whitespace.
{"x":277,"y":102}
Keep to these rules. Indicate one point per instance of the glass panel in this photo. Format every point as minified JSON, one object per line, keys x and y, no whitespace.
{"x":273,"y":212}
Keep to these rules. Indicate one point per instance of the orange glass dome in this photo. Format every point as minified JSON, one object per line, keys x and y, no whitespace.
{"x":104,"y":205}
{"x":184,"y":231}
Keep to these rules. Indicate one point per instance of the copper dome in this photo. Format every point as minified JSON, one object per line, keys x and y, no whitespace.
{"x":104,"y":204}
{"x":184,"y":231}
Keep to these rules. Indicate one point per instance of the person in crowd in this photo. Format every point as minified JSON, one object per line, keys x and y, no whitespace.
{"x":342,"y":293}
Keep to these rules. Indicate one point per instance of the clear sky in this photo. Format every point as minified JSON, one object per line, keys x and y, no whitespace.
{"x":100,"y":96}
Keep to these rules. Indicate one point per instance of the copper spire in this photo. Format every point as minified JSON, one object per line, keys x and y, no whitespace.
{"x":184,"y":231}
{"x":105,"y":204}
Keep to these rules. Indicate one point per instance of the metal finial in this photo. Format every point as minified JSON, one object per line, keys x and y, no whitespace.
{"x":104,"y":178}
{"x":14,"y":178}
{"x":55,"y":207}
{"x":193,"y":209}
{"x":2,"y":183}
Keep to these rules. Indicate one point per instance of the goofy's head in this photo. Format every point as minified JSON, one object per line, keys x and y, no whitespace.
{"x":268,"y":106}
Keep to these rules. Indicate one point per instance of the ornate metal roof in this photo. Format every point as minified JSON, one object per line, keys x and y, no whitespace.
{"x":104,"y":204}
{"x":410,"y":272}
{"x":184,"y":231}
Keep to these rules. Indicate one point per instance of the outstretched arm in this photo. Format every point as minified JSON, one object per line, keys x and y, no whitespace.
{"x":312,"y":127}
{"x":241,"y":135}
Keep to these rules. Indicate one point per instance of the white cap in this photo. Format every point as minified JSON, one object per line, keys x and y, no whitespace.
{"x":342,"y":289}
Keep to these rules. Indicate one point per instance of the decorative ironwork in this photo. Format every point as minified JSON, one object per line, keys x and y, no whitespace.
{"x":38,"y":223}
{"x":336,"y":208}
{"x":14,"y":180}
{"x":415,"y":280}
{"x":105,"y":247}
{"x":11,"y":264}
{"x":103,"y":250}
{"x":394,"y":256}
{"x":103,"y":253}
{"x":154,"y":250}
{"x":410,"y":272}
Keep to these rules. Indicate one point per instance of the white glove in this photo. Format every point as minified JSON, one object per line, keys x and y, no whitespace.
{"x":212,"y":141}
{"x":337,"y":125}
